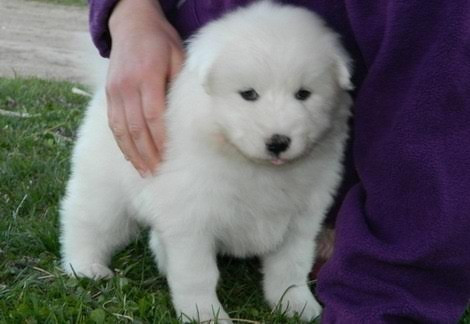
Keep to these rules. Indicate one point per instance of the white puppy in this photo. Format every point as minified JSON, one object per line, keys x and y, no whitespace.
{"x":257,"y":121}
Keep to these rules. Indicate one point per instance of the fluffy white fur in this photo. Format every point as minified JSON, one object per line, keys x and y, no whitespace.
{"x":219,"y":191}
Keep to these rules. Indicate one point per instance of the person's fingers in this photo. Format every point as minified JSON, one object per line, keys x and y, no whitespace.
{"x":138,"y":130}
{"x":154,"y":99}
{"x":176,"y":62}
{"x":137,"y":91}
{"x":118,"y":124}
{"x":153,"y":103}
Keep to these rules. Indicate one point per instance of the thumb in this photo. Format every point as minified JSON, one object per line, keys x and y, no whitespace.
{"x":176,"y":63}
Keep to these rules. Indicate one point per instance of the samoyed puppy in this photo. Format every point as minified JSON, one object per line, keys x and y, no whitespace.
{"x":257,"y":122}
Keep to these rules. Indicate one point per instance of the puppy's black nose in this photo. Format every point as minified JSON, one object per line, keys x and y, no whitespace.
{"x":278,"y":144}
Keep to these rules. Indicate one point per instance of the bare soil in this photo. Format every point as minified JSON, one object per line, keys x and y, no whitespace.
{"x":40,"y":40}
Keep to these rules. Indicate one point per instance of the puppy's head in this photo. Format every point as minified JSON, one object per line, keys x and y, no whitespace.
{"x":273,"y":74}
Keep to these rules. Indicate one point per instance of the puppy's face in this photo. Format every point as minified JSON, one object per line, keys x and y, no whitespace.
{"x":274,"y":104}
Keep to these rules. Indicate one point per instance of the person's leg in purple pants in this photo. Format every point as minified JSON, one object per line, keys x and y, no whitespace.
{"x":402,"y":249}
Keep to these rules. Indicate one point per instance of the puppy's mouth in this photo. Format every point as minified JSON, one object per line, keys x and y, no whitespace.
{"x":275,"y":160}
{"x":278,"y":161}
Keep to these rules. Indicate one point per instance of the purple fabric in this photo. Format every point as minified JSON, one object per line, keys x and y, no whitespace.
{"x":100,"y":11}
{"x":403,"y":232}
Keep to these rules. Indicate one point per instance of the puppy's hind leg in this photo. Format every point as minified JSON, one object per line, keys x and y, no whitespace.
{"x":94,"y":225}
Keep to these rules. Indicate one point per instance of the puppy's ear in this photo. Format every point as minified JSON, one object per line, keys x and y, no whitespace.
{"x":207,"y":79}
{"x":201,"y":58}
{"x":343,"y":67}
{"x":205,"y":73}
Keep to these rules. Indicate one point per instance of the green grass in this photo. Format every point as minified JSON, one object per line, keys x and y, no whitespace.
{"x":34,"y":164}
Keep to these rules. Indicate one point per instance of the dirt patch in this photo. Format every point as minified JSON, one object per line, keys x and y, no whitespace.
{"x":40,"y":39}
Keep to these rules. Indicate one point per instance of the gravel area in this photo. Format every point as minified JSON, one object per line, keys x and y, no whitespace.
{"x":42,"y":40}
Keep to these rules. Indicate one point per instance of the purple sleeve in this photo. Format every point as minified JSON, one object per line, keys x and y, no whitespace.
{"x":402,"y":252}
{"x":100,"y":11}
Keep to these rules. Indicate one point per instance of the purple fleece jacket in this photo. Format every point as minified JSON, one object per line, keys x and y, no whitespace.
{"x":402,"y":252}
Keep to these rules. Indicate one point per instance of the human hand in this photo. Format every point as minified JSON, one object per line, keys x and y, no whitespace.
{"x":146,"y":54}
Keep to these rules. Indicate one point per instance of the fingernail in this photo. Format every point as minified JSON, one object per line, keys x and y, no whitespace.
{"x":144,"y":174}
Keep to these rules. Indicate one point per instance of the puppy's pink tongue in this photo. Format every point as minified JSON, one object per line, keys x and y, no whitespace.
{"x":277,"y":161}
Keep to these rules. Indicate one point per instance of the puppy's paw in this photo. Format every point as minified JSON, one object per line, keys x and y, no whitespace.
{"x":94,"y":271}
{"x":300,"y":301}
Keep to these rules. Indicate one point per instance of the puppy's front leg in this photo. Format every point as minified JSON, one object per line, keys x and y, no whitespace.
{"x":286,"y":271}
{"x":192,"y":276}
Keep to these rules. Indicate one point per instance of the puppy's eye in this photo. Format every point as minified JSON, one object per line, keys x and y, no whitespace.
{"x":302,"y":94}
{"x":249,"y":95}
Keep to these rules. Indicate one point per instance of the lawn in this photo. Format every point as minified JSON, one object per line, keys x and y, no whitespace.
{"x":34,"y":165}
